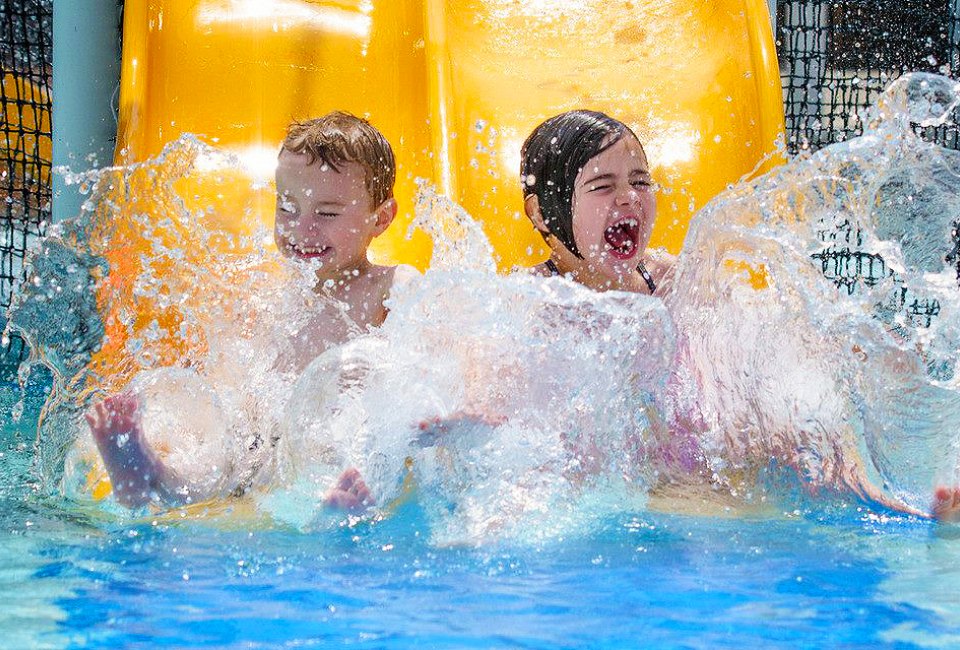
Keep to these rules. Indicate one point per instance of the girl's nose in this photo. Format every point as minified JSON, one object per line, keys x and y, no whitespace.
{"x":627,"y":195}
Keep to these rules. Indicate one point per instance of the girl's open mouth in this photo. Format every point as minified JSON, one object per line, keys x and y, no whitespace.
{"x":623,"y":238}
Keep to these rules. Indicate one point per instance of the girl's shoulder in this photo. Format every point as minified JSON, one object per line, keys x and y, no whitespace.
{"x":542,"y":270}
{"x":661,"y":265}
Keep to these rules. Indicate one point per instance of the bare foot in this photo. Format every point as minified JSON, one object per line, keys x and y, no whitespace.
{"x":350,"y":493}
{"x":131,"y":463}
{"x":946,"y":504}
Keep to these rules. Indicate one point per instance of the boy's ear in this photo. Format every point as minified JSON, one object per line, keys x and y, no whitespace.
{"x":384,"y":214}
{"x":531,"y":205}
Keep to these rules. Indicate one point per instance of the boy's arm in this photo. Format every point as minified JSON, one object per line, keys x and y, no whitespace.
{"x":137,"y":474}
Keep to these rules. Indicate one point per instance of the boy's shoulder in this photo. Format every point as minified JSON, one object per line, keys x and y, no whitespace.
{"x":391,"y":278}
{"x":400,"y":275}
{"x":405,"y":273}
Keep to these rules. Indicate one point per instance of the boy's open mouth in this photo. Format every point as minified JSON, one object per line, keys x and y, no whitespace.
{"x":623,"y":237}
{"x":309,"y":253}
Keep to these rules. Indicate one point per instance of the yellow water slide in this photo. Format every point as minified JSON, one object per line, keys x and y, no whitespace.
{"x":456,"y":85}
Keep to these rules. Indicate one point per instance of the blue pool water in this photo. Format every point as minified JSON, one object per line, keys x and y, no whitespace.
{"x":795,"y":372}
{"x":834,"y":575}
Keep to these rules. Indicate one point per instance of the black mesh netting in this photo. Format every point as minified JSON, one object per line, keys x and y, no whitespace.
{"x":836,"y":57}
{"x":25,"y":142}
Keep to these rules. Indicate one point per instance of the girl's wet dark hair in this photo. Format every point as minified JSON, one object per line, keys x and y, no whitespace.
{"x":552,"y":158}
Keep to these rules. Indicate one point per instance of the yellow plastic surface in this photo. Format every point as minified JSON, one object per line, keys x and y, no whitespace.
{"x":21,"y":142}
{"x":456,"y":85}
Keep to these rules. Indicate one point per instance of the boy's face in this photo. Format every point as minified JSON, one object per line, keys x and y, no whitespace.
{"x":324,"y":215}
{"x":614,"y":208}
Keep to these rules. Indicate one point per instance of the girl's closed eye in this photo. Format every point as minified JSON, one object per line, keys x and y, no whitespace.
{"x":326,"y":215}
{"x":599,"y":187}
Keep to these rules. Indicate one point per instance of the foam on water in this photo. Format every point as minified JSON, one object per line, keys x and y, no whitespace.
{"x":812,"y":322}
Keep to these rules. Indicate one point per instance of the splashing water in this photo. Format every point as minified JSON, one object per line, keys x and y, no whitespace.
{"x":197,"y":315}
{"x":812,"y":322}
{"x":192,"y":287}
{"x":567,"y":374}
{"x":818,"y":309}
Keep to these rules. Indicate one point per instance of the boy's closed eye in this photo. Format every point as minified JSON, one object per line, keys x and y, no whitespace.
{"x":286,"y":205}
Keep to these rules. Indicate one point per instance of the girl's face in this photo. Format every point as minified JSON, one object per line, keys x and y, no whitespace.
{"x":614,"y":209}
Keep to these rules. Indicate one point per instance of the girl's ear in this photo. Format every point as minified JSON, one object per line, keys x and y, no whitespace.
{"x":385,"y":214}
{"x":531,"y":205}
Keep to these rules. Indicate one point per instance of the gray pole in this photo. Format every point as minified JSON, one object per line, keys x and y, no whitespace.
{"x":86,"y":75}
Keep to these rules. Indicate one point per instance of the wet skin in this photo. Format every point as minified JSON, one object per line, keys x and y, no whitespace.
{"x":614,"y":209}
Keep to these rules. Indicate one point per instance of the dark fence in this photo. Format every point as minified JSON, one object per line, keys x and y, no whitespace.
{"x":836,"y":57}
{"x":25,"y":140}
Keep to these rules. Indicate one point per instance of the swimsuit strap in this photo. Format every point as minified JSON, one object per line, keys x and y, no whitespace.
{"x":645,"y":274}
{"x":641,"y":269}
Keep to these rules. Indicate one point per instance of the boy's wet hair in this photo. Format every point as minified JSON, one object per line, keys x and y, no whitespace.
{"x":338,"y":138}
{"x":552,"y":158}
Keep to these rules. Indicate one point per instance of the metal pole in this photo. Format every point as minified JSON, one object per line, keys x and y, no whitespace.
{"x":86,"y":76}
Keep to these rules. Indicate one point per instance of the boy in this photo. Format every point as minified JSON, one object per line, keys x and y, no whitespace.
{"x":334,"y":178}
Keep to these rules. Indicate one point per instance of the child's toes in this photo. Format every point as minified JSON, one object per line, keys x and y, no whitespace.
{"x":361,"y":490}
{"x":348,"y":479}
{"x":946,"y":504}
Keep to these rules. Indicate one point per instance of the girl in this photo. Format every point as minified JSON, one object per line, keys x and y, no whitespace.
{"x":588,"y":191}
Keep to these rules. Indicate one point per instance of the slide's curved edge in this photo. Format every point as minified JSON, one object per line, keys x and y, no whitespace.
{"x":763,"y":49}
{"x":133,"y":64}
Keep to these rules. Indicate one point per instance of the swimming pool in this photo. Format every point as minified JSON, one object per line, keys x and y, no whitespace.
{"x":826,"y":575}
{"x":809,"y":570}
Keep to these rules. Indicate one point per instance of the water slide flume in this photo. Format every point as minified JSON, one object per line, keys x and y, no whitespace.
{"x":458,"y":86}
{"x":455,"y":86}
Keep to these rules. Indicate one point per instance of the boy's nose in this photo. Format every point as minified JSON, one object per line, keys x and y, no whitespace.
{"x":297,"y":230}
{"x":304,"y":227}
